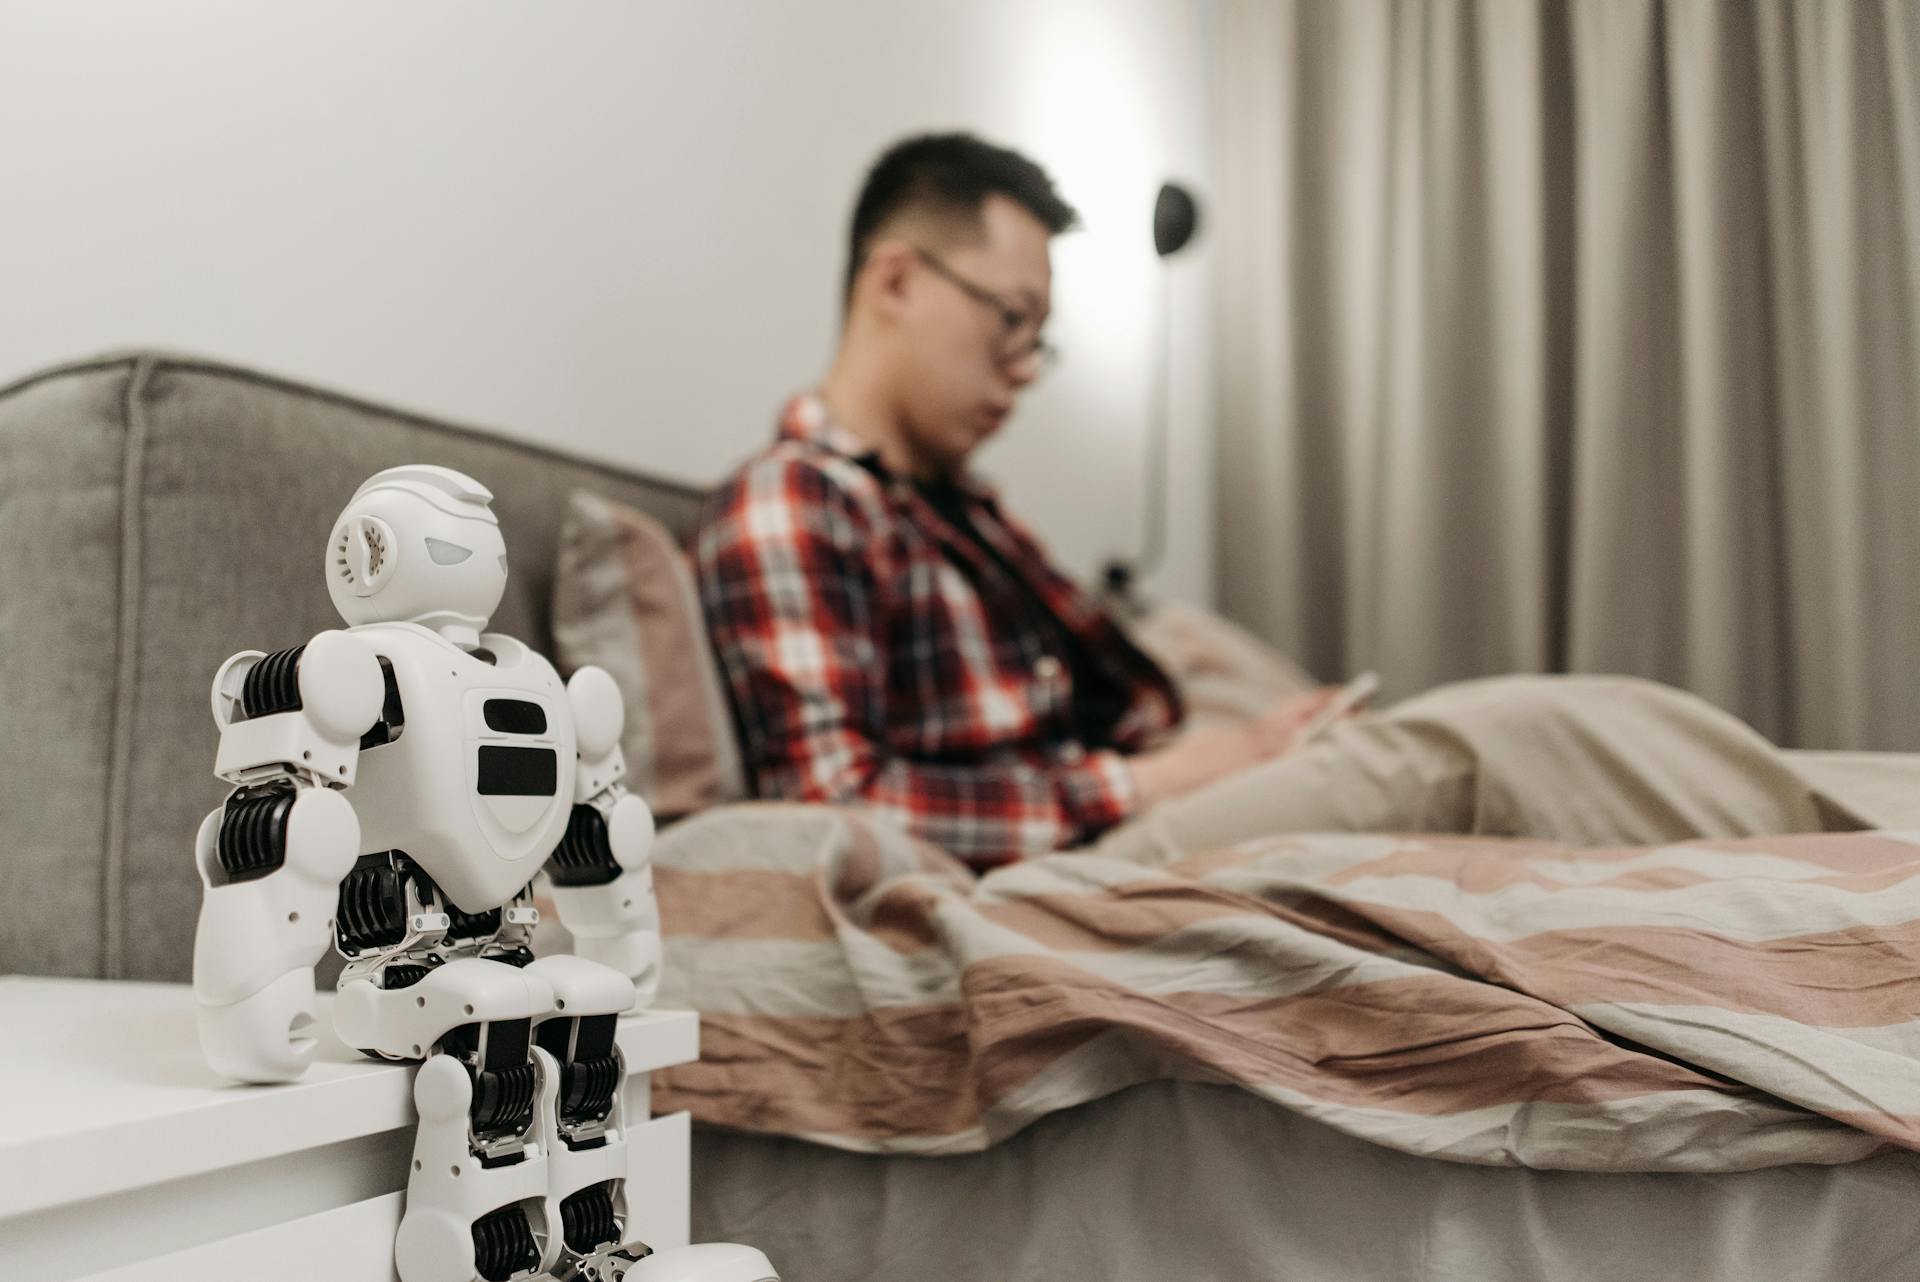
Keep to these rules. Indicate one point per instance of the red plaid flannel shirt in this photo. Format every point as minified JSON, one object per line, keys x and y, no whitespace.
{"x":867,"y":668}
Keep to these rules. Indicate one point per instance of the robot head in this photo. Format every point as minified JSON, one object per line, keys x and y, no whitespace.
{"x":418,"y":544}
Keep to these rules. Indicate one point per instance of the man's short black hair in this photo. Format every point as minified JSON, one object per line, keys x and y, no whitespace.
{"x":948,"y":174}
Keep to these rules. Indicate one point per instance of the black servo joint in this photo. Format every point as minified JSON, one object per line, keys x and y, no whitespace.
{"x":587,"y":1219}
{"x":584,"y":856}
{"x":253,"y":833}
{"x":403,"y":975}
{"x":587,"y":1088}
{"x":590,"y":1068}
{"x":393,"y":714}
{"x":503,"y":1244}
{"x":502,"y":1100}
{"x":273,"y":684}
{"x":372,"y":908}
{"x":469,"y":926}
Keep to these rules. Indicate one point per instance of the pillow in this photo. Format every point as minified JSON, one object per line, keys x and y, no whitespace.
{"x":624,"y":599}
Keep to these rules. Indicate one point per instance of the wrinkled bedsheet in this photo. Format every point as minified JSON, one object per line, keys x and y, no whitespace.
{"x":1705,"y":1006}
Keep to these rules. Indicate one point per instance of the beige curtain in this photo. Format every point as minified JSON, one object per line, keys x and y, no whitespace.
{"x":1578,"y":337}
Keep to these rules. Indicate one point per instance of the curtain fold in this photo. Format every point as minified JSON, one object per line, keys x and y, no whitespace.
{"x":1578,"y":337}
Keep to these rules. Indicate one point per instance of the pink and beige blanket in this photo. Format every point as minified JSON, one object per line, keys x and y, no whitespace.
{"x":1696,"y":1007}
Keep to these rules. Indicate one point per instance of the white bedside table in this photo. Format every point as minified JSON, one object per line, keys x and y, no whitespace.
{"x":123,"y":1157}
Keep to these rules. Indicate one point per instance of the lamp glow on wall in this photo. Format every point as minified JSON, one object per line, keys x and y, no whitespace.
{"x":1176,"y":217}
{"x":1109,"y":96}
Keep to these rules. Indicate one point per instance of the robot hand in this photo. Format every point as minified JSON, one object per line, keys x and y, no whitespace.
{"x":635,"y":955}
{"x":603,"y":889}
{"x":267,"y":1037}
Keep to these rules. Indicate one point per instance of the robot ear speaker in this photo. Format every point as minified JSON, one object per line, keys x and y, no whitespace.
{"x":364,"y":554}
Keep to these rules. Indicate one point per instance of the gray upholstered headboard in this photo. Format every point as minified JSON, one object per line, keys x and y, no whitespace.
{"x":158,"y":513}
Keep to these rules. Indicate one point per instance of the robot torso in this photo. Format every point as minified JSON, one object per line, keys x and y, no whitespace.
{"x":476,"y":781}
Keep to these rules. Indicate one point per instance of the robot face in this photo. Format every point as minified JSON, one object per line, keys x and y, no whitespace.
{"x":418,"y":544}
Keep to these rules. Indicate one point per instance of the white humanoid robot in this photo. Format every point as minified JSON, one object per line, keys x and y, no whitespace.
{"x":397,"y":787}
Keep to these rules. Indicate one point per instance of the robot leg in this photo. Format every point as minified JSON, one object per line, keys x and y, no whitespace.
{"x":478,"y":1205}
{"x":587,"y":1129}
{"x":587,"y":1144}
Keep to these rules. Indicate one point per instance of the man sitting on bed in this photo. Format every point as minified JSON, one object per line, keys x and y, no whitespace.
{"x":893,"y":637}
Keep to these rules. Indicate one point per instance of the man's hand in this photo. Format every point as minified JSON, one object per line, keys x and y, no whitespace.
{"x":1199,"y":757}
{"x":1278,"y":730}
{"x":1195,"y":758}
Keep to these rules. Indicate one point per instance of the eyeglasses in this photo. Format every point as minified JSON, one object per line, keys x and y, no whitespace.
{"x":1020,"y":338}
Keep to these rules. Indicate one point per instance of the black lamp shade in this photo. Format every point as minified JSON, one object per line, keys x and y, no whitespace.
{"x":1175,"y":217}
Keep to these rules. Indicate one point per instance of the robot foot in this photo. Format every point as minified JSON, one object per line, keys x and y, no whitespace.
{"x":706,"y":1262}
{"x":587,"y":1136}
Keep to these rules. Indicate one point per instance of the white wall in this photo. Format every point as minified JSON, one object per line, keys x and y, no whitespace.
{"x":612,"y":227}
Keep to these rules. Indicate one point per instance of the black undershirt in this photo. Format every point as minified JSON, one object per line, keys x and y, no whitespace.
{"x":1098,"y":700}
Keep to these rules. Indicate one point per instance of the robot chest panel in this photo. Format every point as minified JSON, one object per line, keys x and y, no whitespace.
{"x":511,"y":747}
{"x":483,"y":764}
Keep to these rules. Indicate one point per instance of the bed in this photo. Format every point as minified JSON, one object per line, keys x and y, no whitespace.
{"x":1309,"y":1056}
{"x":1184,"y":1180}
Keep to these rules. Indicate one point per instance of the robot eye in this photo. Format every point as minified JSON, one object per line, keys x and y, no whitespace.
{"x":444,"y":553}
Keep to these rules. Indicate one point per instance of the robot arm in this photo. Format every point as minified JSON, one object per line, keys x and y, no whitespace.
{"x":272,"y":857}
{"x":601,"y":881}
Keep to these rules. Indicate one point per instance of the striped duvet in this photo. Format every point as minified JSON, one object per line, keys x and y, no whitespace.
{"x":1698,"y":1007}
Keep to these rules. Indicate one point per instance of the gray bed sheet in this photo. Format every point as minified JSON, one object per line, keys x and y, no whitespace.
{"x":1178,"y":1180}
